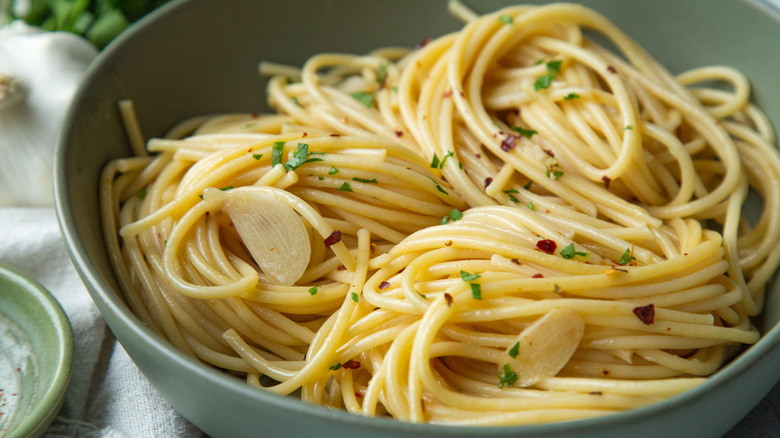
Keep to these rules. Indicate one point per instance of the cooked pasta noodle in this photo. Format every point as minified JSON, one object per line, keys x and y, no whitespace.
{"x":509,"y":224}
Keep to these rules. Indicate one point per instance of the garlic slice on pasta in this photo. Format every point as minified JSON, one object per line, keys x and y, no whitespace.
{"x":544,"y":347}
{"x":274,"y":233}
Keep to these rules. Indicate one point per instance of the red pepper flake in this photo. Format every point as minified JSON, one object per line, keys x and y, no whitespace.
{"x":606,"y":180}
{"x":341,"y":268}
{"x":508,"y":143}
{"x":384,"y":285}
{"x":487,"y":181}
{"x":335,"y":135}
{"x":547,"y":246}
{"x":255,"y":115}
{"x":549,"y":152}
{"x":605,"y":372}
{"x":595,"y":393}
{"x":447,"y":94}
{"x":611,"y":69}
{"x":537,"y":275}
{"x":305,"y":134}
{"x":448,"y":297}
{"x":424,"y":42}
{"x":334,"y":238}
{"x":351,"y":364}
{"x":398,"y":133}
{"x":646,"y":314}
{"x":358,"y":395}
{"x":515,"y":261}
{"x":249,"y":151}
{"x":478,"y":155}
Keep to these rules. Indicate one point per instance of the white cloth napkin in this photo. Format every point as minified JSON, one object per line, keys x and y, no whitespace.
{"x":108,"y":396}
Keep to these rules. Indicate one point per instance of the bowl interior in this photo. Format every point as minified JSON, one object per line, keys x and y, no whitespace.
{"x":188,"y":60}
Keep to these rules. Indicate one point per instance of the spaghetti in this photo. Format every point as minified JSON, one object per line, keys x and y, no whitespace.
{"x":507,"y":225}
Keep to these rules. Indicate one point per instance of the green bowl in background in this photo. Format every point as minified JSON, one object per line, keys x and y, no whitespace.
{"x":200,"y":57}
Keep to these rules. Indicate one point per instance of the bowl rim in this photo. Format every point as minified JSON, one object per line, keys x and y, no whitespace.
{"x":56,"y":384}
{"x":107,"y":301}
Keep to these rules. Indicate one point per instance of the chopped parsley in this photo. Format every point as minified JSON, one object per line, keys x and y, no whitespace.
{"x":333,"y":171}
{"x":627,"y":257}
{"x":507,"y":377}
{"x":438,"y":187}
{"x":554,"y":67}
{"x":629,"y":127}
{"x":515,"y":350}
{"x":527,"y":133}
{"x":476,"y":291}
{"x":531,"y":205}
{"x":506,"y":19}
{"x":335,"y":367}
{"x":467,"y":277}
{"x":295,"y":101}
{"x":300,"y":157}
{"x":368,"y":181}
{"x":367,"y":99}
{"x":225,"y":189}
{"x":313,"y":290}
{"x":277,"y":151}
{"x":355,"y":297}
{"x":557,"y":174}
{"x":511,"y":196}
{"x":527,"y":185}
{"x":345,"y":187}
{"x":571,"y":96}
{"x":257,"y":156}
{"x":452,"y":216}
{"x":569,"y":252}
{"x":142,"y":194}
{"x":543,"y":82}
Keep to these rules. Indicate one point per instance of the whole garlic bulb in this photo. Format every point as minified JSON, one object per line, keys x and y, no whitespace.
{"x":39,"y":72}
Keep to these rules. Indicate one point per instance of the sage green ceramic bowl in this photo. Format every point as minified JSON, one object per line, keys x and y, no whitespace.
{"x":201,"y":56}
{"x":36,"y":352}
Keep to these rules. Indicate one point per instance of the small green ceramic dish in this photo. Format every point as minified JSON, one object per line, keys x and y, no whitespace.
{"x":36,"y":352}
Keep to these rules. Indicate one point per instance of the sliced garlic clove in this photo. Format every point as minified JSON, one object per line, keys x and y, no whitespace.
{"x":273,"y":233}
{"x":545,"y":346}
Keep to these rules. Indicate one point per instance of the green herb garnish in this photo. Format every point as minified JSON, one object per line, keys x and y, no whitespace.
{"x":569,"y":252}
{"x":367,"y":181}
{"x":345,"y":187}
{"x":313,"y":290}
{"x":527,"y":133}
{"x":627,"y":257}
{"x":476,"y":291}
{"x":506,"y":19}
{"x":467,"y":277}
{"x":367,"y":99}
{"x":515,"y":350}
{"x":452,"y":216}
{"x":507,"y":377}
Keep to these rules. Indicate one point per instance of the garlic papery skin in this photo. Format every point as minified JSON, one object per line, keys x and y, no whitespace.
{"x":42,"y":70}
{"x":545,"y":347}
{"x":272,"y":231}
